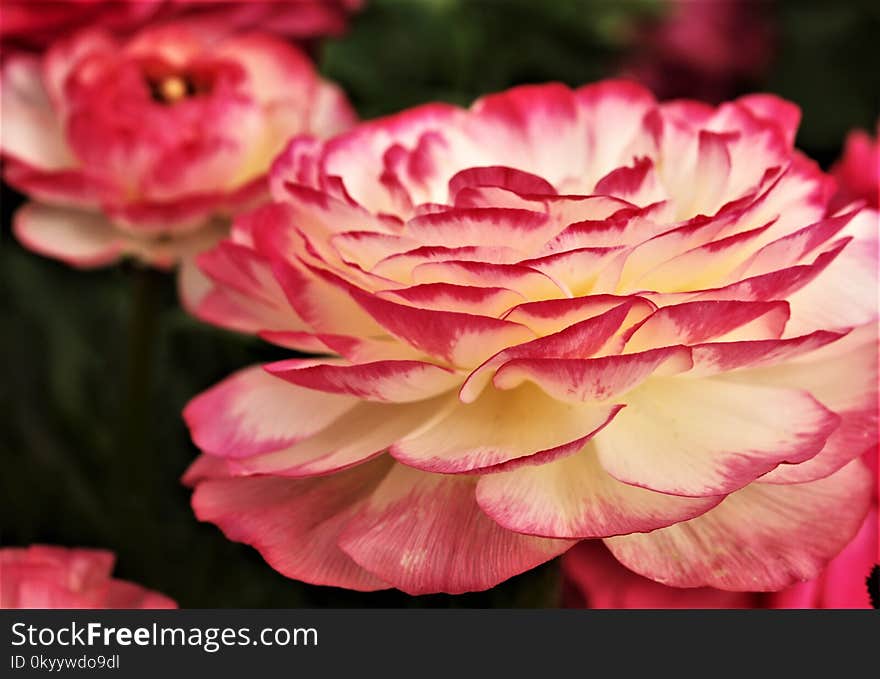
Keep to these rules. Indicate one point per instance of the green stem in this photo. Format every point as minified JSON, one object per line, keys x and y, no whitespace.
{"x":143,"y":324}
{"x":134,"y":467}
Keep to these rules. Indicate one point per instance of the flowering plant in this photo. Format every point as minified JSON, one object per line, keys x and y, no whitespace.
{"x":557,"y":315}
{"x":145,"y":146}
{"x":42,"y":576}
{"x":36,"y":24}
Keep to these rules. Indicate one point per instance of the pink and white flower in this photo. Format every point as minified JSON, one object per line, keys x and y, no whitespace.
{"x":300,"y":20}
{"x":554,"y":316}
{"x":41,"y":576}
{"x":146,"y":147}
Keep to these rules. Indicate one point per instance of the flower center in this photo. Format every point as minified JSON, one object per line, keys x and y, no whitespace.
{"x":171,"y":88}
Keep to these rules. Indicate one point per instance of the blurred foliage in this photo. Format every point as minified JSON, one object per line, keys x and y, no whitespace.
{"x":400,"y":53}
{"x":86,"y":461}
{"x":827,"y":62}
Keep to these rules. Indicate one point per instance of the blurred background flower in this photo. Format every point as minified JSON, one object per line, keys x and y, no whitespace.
{"x":33,"y":25}
{"x":64,"y":332}
{"x":41,"y":576}
{"x":710,"y":50}
{"x":146,"y":147}
{"x":593,"y":578}
{"x":858,"y":171}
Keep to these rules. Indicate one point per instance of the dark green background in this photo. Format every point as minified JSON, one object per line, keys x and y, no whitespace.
{"x":85,"y":461}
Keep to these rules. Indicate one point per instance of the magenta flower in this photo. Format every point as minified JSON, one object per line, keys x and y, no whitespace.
{"x":146,"y":147}
{"x":594,"y":579}
{"x":858,"y":171}
{"x":36,"y":24}
{"x":842,"y":584}
{"x":705,"y":49}
{"x":56,"y":577}
{"x":556,"y":315}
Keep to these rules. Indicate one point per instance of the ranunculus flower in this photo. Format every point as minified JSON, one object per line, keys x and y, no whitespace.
{"x":57,"y":577}
{"x":36,"y":24}
{"x":709,"y":50}
{"x":557,"y":315}
{"x":293,"y":19}
{"x":858,"y":171}
{"x":145,"y":147}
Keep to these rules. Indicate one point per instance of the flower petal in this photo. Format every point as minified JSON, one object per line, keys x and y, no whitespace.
{"x":30,"y":129}
{"x":321,"y":299}
{"x":360,"y":434}
{"x":507,"y":178}
{"x":245,"y":295}
{"x":770,"y":108}
{"x":838,"y":297}
{"x":81,"y":239}
{"x":721,"y":357}
{"x":695,"y":322}
{"x":761,"y":538}
{"x":579,"y":340}
{"x":638,"y":184}
{"x":553,"y":315}
{"x":843,"y":377}
{"x":573,"y":497}
{"x":462,"y":339}
{"x":294,"y":523}
{"x":392,"y":381}
{"x":705,"y":436}
{"x":499,"y":427}
{"x":400,"y":267}
{"x":253,"y":412}
{"x":482,"y":227}
{"x":527,"y":282}
{"x":592,"y":379}
{"x":574,"y":271}
{"x":423,"y":533}
{"x":468,"y":299}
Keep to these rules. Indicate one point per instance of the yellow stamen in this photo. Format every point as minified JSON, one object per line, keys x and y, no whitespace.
{"x":172,"y":88}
